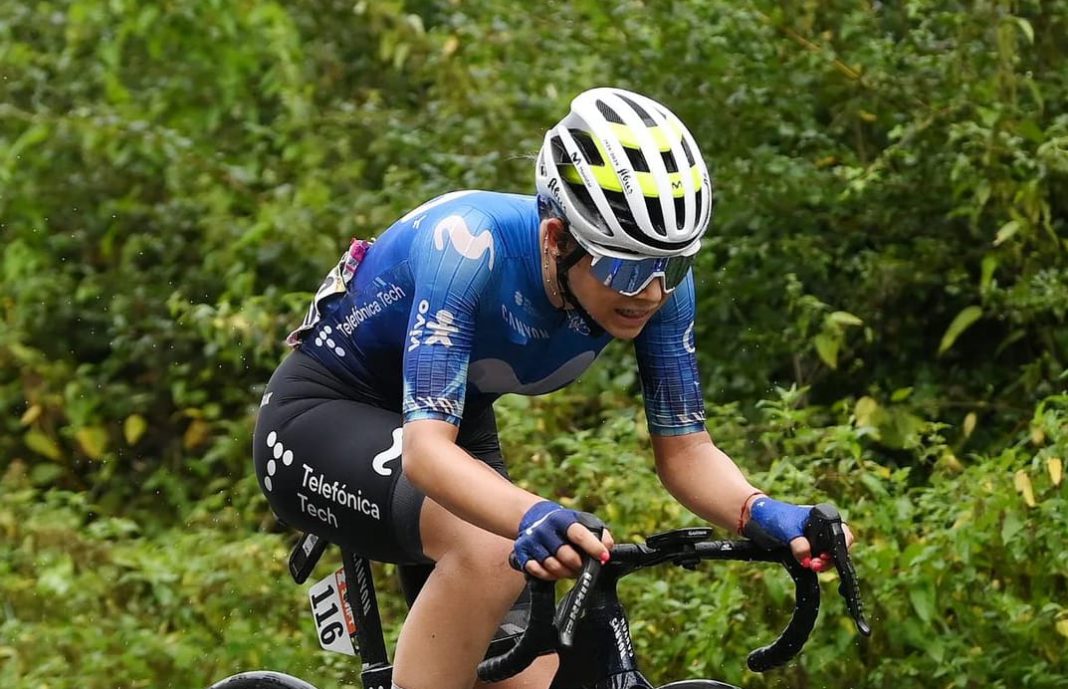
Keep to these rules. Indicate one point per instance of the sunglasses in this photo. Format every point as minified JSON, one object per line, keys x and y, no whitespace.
{"x":631,"y":276}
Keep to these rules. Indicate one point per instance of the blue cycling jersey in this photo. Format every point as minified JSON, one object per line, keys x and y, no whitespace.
{"x":447,"y":310}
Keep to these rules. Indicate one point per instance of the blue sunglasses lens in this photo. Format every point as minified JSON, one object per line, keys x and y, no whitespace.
{"x":629,"y":277}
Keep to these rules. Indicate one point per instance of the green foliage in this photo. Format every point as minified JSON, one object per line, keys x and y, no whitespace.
{"x":963,"y":573}
{"x":889,"y":180}
{"x":882,"y":308}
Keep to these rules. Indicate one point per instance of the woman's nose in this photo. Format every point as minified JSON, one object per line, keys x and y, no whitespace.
{"x":654,"y":291}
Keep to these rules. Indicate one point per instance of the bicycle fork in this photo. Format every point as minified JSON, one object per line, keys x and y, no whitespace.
{"x":603,"y":635}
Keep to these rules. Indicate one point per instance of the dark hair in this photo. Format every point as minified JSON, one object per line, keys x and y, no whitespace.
{"x":549,"y":208}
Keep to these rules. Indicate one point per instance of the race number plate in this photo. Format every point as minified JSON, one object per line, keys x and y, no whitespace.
{"x":334,"y":624}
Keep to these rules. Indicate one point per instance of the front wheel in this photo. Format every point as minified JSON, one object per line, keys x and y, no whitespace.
{"x":261,"y":679}
{"x":698,"y":684}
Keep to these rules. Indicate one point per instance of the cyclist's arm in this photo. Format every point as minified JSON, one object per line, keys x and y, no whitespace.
{"x":453,"y":263}
{"x":708,"y":482}
{"x":468,"y":488}
{"x":702,"y":477}
{"x":473,"y":491}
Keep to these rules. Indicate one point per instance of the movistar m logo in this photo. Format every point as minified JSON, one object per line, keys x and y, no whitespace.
{"x":389,"y":454}
{"x":467,"y":244}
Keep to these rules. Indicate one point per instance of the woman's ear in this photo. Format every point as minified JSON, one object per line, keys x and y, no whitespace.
{"x":556,"y":234}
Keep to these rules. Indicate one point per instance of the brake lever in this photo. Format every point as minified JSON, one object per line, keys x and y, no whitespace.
{"x":574,"y":605}
{"x":826,"y":535}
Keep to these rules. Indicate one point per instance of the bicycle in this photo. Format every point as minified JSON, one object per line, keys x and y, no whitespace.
{"x":589,"y":628}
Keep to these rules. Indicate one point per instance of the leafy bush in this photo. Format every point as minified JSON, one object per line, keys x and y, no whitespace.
{"x":882,"y":306}
{"x":963,"y":574}
{"x":962,"y":570}
{"x":170,"y":195}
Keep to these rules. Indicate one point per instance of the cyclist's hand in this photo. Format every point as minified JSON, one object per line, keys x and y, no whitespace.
{"x":550,"y":539}
{"x":773,"y":523}
{"x":802,"y":550}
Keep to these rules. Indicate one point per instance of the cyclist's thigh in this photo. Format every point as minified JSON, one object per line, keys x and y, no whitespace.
{"x":478,"y":436}
{"x":330,"y":465}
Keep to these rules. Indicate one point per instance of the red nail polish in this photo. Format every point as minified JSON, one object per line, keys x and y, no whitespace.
{"x":817,"y":565}
{"x":604,"y":557}
{"x":806,"y":562}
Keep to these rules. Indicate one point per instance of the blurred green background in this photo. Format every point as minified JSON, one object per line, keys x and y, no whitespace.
{"x":882,"y":310}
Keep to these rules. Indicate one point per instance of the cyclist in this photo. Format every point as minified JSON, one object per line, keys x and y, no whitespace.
{"x":378,"y":432}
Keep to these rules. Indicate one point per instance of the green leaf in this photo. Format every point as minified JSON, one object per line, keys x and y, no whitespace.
{"x":133,"y":428}
{"x":844,"y":318}
{"x":1026,"y":28}
{"x":865,"y":411}
{"x":900,"y":429}
{"x":990,"y":264}
{"x":873,"y":484}
{"x":901,"y":394}
{"x":922,"y":598}
{"x":827,"y":348}
{"x":57,"y":578}
{"x":1031,"y":131}
{"x":1006,"y":232}
{"x":43,"y":444}
{"x":31,"y":137}
{"x":93,"y":440}
{"x":44,"y":473}
{"x":936,"y":649}
{"x":1010,"y":527}
{"x":962,"y":322}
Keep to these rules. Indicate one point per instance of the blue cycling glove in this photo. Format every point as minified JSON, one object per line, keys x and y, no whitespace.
{"x":542,"y":531}
{"x":773,"y":523}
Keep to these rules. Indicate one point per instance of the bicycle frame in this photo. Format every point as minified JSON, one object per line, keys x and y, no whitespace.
{"x":602,"y":634}
{"x":603,"y":657}
{"x":589,"y":629}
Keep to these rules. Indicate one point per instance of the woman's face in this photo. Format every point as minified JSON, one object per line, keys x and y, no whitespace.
{"x":622,"y":317}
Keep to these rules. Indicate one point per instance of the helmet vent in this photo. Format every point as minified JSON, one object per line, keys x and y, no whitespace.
{"x":621,"y":208}
{"x":656,"y":216}
{"x":680,"y":212}
{"x":647,"y":119}
{"x":637,"y":159}
{"x":586,"y":205}
{"x":587,"y":146}
{"x":609,"y":114}
{"x":688,"y":152}
{"x":559,"y":152}
{"x":669,"y":161}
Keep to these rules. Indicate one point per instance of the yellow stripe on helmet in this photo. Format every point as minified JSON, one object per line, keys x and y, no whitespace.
{"x":608,"y":179}
{"x":663,"y":137}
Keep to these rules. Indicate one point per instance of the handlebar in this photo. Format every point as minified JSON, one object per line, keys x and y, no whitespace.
{"x":687,"y":547}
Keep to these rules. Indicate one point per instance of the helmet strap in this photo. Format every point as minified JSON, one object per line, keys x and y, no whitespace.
{"x":562,"y":266}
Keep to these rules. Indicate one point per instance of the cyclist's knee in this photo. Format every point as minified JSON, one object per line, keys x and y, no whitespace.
{"x":452,"y":542}
{"x":482,"y":552}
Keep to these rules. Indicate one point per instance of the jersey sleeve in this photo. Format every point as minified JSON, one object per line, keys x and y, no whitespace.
{"x":452,"y":263}
{"x":667,"y":363}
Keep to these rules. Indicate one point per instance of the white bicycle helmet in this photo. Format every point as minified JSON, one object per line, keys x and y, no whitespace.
{"x":628,"y":176}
